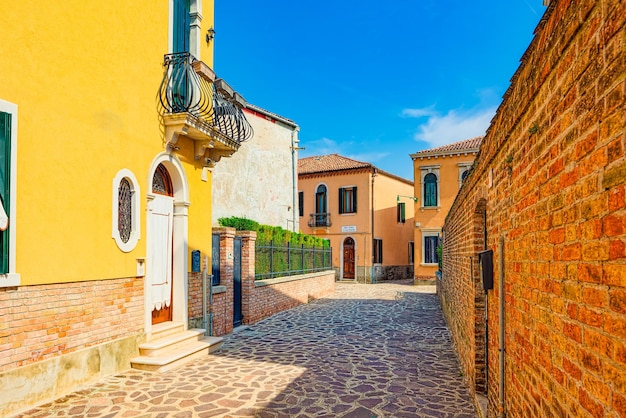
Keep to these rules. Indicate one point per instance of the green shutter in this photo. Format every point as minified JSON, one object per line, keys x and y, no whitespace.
{"x":341,"y":200}
{"x":5,"y":184}
{"x":354,"y":197}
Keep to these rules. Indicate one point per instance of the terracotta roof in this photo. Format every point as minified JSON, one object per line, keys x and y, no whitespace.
{"x":468,"y":145}
{"x":335,"y":163}
{"x":272,"y":115}
{"x":332,"y":162}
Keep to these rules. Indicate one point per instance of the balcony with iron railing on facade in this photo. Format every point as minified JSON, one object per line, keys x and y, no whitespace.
{"x":319,"y":220}
{"x":193,"y":103}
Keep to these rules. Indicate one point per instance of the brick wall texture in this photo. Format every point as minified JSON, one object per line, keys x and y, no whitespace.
{"x":44,"y":321}
{"x":549,"y":182}
{"x":258,"y":301}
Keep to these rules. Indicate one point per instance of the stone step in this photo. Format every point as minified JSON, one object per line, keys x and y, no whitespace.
{"x":166,"y":328}
{"x":162,"y":345}
{"x":173,"y":350}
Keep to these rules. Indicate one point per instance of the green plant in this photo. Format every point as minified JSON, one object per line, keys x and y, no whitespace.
{"x":534,"y":128}
{"x":240,"y":224}
{"x":439,"y":251}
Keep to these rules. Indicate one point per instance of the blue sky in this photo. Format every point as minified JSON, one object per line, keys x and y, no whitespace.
{"x":371,"y":80}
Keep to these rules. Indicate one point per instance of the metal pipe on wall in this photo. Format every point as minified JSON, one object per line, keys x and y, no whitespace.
{"x":501,"y":325}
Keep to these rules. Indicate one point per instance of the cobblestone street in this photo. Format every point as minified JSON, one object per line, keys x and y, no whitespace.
{"x":366,"y":351}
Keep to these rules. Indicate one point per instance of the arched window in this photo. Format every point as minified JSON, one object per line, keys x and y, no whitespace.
{"x":125,"y":225}
{"x":321,"y":203}
{"x":430,"y":190}
{"x":161,"y":182}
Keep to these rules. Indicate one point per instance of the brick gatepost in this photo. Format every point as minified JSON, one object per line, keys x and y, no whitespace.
{"x":248,"y":240}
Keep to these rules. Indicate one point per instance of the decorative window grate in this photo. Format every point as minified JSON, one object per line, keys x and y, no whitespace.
{"x":125,"y":210}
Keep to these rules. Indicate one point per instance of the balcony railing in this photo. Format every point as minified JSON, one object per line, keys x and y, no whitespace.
{"x":317,"y":220}
{"x":189,"y":87}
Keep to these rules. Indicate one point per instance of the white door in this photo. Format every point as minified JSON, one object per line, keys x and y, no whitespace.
{"x":160,"y":211}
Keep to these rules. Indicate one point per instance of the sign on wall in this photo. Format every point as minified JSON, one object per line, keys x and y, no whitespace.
{"x":348,"y":228}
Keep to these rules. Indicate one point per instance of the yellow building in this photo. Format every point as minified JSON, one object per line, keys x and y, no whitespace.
{"x":365,"y":212}
{"x":438,"y":173}
{"x":110,"y":121}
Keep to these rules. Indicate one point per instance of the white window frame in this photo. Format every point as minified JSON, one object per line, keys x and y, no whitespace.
{"x":463,"y":168}
{"x":12,"y":278}
{"x":428,"y":233}
{"x":352,"y":187}
{"x":135,"y":229}
{"x":424,"y":170}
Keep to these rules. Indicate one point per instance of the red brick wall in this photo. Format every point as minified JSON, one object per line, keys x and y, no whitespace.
{"x":267,"y":300}
{"x":259,"y":299}
{"x":552,"y":173}
{"x":44,"y":321}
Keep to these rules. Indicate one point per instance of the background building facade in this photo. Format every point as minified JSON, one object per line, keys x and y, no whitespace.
{"x":439,"y":173}
{"x":366,"y":213}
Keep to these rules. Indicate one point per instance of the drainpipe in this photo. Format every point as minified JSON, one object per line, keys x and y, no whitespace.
{"x":501,"y":320}
{"x":372,"y":280}
{"x":294,"y":175}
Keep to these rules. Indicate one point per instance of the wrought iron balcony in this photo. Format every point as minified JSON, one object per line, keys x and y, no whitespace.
{"x":317,"y":220}
{"x":196,"y":105}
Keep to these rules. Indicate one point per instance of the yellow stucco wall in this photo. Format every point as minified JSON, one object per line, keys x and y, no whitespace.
{"x":395,"y":235}
{"x":434,"y":217}
{"x":84,"y":75}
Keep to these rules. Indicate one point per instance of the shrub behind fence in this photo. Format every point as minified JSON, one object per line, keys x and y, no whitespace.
{"x":288,"y":260}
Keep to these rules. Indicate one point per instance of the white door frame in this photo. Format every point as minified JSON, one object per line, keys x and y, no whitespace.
{"x":180,"y":240}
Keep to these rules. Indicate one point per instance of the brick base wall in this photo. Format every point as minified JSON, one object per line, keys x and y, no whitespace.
{"x":551,"y":177}
{"x":66,"y":334}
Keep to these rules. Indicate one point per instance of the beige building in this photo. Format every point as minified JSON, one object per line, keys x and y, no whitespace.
{"x":365,"y":212}
{"x":259,"y":181}
{"x":438,"y":173}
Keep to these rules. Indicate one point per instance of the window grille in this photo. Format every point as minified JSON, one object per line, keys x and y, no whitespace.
{"x":125,"y":210}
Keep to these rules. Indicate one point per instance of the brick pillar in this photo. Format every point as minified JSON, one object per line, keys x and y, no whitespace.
{"x":223,"y":311}
{"x":248,"y":239}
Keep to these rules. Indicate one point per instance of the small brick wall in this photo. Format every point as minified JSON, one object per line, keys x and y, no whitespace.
{"x":261,"y":298}
{"x":44,"y":321}
{"x":551,"y":178}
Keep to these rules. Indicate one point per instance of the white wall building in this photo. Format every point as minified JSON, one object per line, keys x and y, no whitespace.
{"x":259,"y":182}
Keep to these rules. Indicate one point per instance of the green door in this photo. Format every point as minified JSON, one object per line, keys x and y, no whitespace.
{"x":5,"y":185}
{"x":182,"y":28}
{"x":181,"y":90}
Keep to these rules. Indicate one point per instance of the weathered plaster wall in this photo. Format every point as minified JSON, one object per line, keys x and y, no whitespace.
{"x":257,"y":181}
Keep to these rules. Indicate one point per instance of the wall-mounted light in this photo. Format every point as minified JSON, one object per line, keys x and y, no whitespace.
{"x":408,"y":197}
{"x":210,"y":34}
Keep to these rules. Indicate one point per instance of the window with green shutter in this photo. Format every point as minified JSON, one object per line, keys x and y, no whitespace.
{"x":5,"y":185}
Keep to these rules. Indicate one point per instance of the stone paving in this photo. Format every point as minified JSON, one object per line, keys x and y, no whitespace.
{"x":366,"y":351}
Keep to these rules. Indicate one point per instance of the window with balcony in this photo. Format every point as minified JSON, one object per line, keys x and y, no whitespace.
{"x":321,"y":217}
{"x":347,"y":200}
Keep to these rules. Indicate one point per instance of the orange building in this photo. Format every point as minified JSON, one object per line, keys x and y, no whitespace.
{"x":438,"y":173}
{"x":365,"y":212}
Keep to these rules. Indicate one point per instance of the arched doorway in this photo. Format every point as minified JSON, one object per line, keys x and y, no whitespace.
{"x":348,"y":259}
{"x":161,"y":213}
{"x":481,"y":330}
{"x":166,"y":242}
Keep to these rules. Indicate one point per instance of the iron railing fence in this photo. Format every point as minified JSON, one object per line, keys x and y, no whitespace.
{"x":319,"y":220}
{"x":189,"y":86}
{"x":288,"y":260}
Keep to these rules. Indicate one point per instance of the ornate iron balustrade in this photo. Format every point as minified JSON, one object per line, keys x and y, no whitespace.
{"x":317,"y":220}
{"x":189,"y":86}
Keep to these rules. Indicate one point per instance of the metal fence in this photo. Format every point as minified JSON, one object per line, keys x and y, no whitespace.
{"x":288,"y":260}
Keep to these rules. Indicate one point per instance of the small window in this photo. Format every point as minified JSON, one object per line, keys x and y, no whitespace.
{"x":347,"y":200}
{"x":430,"y":190}
{"x":401,"y":213}
{"x":301,"y":203}
{"x":378,"y":250}
{"x":125,"y":227}
{"x":430,"y":249}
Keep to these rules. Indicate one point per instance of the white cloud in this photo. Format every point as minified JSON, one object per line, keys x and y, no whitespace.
{"x":456,"y":125}
{"x":418,"y":113}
